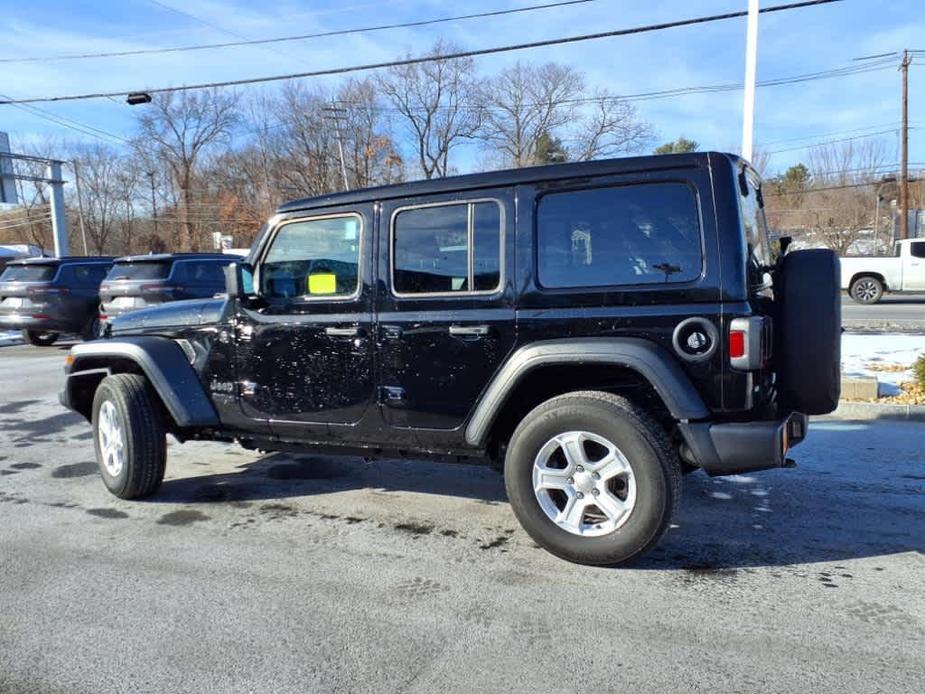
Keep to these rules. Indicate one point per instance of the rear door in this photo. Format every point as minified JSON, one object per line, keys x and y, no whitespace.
{"x":914,"y":267}
{"x":446,"y":319}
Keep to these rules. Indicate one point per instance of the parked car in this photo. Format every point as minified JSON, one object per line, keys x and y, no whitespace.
{"x":867,"y":279}
{"x":593,"y":328}
{"x":45,"y":297}
{"x":140,"y":281}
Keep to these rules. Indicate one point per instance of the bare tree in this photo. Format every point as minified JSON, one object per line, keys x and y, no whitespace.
{"x":608,"y":126}
{"x":437,"y":104}
{"x":103,"y":192}
{"x":839,"y":207}
{"x":371,"y":152}
{"x":524,"y":104}
{"x":181,"y":127}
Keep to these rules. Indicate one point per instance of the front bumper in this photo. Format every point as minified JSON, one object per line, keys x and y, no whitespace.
{"x":737,"y":447}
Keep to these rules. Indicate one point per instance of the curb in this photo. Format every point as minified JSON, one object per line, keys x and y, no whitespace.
{"x":869,"y":410}
{"x":862,"y":326}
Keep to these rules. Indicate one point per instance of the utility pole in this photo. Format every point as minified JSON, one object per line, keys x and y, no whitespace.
{"x":904,"y":145}
{"x":153,"y":201}
{"x":335,"y":113}
{"x":58,"y":217}
{"x":751,"y":65}
{"x":80,"y":205}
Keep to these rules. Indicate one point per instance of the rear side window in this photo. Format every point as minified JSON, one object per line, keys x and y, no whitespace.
{"x":28,"y":273}
{"x":200,"y":272}
{"x":139,"y":271}
{"x":89,"y":274}
{"x":447,"y":249}
{"x":635,"y":234}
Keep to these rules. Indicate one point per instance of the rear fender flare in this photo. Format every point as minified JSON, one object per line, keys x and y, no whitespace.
{"x":652,"y":361}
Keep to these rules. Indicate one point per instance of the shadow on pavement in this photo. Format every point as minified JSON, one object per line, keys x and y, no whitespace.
{"x":843,"y":502}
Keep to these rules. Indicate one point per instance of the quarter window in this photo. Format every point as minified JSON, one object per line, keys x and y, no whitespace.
{"x":314,"y":258}
{"x":447,"y":249}
{"x":638,"y":234}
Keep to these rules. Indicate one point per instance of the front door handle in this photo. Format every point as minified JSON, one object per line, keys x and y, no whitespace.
{"x":344,"y":332}
{"x":469,"y":330}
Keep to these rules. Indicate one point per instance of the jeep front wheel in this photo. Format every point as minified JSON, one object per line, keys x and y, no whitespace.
{"x":592,"y":478}
{"x":129,"y":436}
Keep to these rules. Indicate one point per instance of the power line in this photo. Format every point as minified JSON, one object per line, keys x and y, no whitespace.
{"x":823,"y":143}
{"x":645,"y":96}
{"x":67,"y":122}
{"x":281,"y":39}
{"x":426,"y":59}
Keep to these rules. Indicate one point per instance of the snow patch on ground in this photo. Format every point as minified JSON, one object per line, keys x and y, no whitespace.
{"x":9,"y":338}
{"x":862,"y":354}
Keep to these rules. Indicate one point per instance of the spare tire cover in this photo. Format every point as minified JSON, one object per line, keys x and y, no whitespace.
{"x":808,"y":329}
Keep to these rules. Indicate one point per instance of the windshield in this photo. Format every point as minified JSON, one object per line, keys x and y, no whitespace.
{"x":139,"y":271}
{"x":28,"y":273}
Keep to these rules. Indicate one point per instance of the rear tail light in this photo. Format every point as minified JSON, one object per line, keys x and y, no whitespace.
{"x":40,"y":316}
{"x":749,"y":343}
{"x":103,"y":316}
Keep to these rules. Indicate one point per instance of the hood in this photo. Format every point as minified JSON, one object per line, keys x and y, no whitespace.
{"x":174,"y":314}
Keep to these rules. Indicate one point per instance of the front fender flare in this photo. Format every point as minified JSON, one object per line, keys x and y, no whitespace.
{"x":165,"y":365}
{"x":652,"y":361}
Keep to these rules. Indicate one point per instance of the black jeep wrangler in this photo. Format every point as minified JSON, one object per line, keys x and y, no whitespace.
{"x":595,"y":328}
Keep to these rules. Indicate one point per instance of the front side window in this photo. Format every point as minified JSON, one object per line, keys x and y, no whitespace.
{"x":447,"y":249}
{"x":918,"y":249}
{"x":634,"y":234}
{"x":314,"y":258}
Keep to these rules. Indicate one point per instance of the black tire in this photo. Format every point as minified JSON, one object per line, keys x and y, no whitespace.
{"x":91,"y":331}
{"x":643,"y":442}
{"x":808,"y":329}
{"x":39,"y":338}
{"x":866,"y":290}
{"x":137,"y":412}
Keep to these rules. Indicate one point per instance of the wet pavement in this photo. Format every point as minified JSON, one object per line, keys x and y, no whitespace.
{"x":281,"y":573}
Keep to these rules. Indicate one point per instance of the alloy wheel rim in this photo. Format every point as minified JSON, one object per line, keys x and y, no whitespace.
{"x":584,"y":484}
{"x":866,"y":290}
{"x":111,"y":440}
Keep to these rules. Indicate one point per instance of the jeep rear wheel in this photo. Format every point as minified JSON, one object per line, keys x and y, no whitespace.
{"x":592,"y":478}
{"x":129,"y":436}
{"x":39,"y":338}
{"x":866,"y":290}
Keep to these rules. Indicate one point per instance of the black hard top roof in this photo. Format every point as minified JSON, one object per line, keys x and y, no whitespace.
{"x":509,"y":177}
{"x":166,"y":257}
{"x":67,"y":259}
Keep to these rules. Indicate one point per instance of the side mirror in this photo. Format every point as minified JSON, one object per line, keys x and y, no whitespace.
{"x":239,"y":280}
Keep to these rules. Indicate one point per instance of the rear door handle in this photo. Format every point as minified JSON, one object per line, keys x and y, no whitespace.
{"x":344,"y":332}
{"x":469,"y":330}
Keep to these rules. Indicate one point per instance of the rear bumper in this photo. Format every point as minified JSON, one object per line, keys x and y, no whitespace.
{"x":737,"y":447}
{"x":23,"y":321}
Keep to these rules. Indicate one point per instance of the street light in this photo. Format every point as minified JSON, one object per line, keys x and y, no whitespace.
{"x":136,"y":98}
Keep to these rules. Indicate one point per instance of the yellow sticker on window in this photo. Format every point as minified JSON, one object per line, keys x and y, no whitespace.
{"x":322,"y":283}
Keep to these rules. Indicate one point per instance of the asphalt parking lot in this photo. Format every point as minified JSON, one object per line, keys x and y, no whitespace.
{"x":277,"y":573}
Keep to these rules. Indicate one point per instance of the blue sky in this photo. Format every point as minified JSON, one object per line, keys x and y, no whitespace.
{"x":790,"y":43}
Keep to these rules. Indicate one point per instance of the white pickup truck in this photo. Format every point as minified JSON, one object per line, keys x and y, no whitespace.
{"x":867,"y":278}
